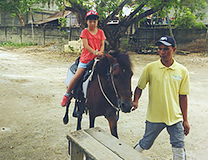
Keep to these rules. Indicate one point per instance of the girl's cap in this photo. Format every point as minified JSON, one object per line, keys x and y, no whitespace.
{"x":91,"y":13}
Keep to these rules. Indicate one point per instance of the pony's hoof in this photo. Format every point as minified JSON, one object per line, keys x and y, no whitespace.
{"x":65,"y":120}
{"x":76,"y":114}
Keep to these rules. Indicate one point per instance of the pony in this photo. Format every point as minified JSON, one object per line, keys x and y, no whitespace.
{"x":108,"y":93}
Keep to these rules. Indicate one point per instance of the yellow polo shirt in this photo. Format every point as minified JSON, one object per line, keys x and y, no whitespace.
{"x":165,"y":85}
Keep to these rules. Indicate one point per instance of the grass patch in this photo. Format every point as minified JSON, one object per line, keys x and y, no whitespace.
{"x":16,"y":45}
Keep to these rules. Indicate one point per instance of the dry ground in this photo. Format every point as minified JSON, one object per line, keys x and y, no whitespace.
{"x":32,"y":86}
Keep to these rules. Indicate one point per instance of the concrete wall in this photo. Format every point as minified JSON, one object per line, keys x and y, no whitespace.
{"x":7,"y":20}
{"x":41,"y":35}
{"x":187,"y":39}
{"x":47,"y":9}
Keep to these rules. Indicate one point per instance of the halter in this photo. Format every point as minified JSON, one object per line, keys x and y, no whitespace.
{"x":114,"y":87}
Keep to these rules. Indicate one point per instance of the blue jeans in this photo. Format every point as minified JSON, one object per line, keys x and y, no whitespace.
{"x":82,"y":65}
{"x":152,"y":130}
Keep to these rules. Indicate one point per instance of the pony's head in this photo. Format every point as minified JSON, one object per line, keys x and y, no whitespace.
{"x":120,"y":74}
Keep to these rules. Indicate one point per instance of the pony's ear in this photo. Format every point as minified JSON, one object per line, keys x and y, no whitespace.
{"x":110,"y":59}
{"x":114,"y":53}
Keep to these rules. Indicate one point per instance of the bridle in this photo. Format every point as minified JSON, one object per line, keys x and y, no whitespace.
{"x":118,"y":107}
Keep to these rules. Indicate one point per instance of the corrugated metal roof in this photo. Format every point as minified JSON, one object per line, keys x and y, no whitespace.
{"x":53,"y":17}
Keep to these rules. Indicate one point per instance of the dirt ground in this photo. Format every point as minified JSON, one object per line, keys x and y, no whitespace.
{"x":32,"y":86}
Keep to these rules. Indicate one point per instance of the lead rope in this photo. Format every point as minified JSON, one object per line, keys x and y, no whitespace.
{"x":93,"y":68}
{"x":114,"y":86}
{"x":101,"y":88}
{"x":118,"y":99}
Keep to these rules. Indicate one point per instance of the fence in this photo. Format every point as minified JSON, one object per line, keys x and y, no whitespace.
{"x":187,"y":39}
{"x":39,"y":35}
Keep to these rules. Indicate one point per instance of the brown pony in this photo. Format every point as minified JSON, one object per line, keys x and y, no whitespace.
{"x":109,"y":90}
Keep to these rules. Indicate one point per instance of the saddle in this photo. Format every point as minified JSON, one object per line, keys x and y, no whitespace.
{"x":73,"y":69}
{"x":78,"y":92}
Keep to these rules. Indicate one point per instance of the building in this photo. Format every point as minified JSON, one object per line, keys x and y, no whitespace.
{"x":47,"y":14}
{"x":71,"y":20}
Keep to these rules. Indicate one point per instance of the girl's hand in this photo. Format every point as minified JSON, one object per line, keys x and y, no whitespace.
{"x":99,"y":54}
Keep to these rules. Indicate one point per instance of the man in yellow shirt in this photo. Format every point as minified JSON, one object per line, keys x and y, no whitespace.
{"x":168,"y":89}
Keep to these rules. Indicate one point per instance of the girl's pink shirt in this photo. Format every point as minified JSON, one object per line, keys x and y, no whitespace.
{"x":94,"y":42}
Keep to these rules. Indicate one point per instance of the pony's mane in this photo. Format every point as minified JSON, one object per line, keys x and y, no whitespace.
{"x":102,"y":66}
{"x":123,"y":60}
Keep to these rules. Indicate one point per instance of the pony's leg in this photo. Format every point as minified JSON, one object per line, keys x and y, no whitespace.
{"x":79,"y":120}
{"x":66,"y":117}
{"x":92,"y":121}
{"x":113,"y":125}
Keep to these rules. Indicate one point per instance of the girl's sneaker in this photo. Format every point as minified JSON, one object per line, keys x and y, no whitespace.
{"x":65,"y":101}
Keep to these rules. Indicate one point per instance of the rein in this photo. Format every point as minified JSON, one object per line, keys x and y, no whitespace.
{"x":114,"y":87}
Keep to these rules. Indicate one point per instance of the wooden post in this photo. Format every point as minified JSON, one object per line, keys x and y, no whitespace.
{"x":44,"y":35}
{"x":5,"y":31}
{"x":21,"y":34}
{"x":69,"y":146}
{"x":76,"y":153}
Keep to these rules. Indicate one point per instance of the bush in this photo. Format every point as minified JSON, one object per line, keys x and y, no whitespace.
{"x":199,"y":25}
{"x":188,"y":21}
{"x":17,"y":45}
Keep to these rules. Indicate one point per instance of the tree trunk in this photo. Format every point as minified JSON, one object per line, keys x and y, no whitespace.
{"x":21,"y":19}
{"x":113,"y":35}
{"x":114,"y":32}
{"x":169,"y":25}
{"x":32,"y":27}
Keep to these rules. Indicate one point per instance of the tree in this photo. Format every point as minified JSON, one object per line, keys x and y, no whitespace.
{"x":109,"y":10}
{"x":19,"y":8}
{"x":187,"y":13}
{"x":114,"y":8}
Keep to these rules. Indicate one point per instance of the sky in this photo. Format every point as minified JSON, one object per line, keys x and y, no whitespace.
{"x":126,"y":11}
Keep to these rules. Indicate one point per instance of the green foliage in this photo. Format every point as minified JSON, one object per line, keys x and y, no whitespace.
{"x":71,"y":48}
{"x":60,"y":5}
{"x":16,"y":45}
{"x":186,"y":12}
{"x":62,"y":22}
{"x":125,"y":45}
{"x":19,"y":8}
{"x":200,"y":16}
{"x":199,"y":25}
{"x":73,"y":51}
{"x":187,"y":20}
{"x":104,"y":7}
